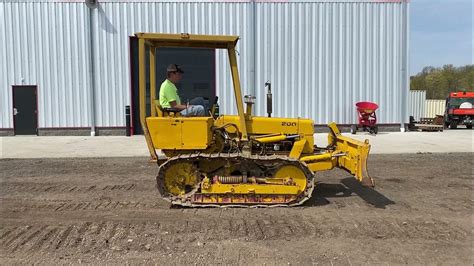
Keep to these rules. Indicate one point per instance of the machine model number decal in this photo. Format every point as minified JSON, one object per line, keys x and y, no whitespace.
{"x":288,"y":124}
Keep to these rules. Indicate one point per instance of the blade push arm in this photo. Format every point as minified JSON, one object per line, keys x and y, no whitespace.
{"x":345,"y":153}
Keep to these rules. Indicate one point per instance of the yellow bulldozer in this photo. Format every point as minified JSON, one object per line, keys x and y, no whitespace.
{"x":236,"y":160}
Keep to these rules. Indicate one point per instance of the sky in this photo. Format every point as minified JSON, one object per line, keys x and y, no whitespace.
{"x":441,"y":32}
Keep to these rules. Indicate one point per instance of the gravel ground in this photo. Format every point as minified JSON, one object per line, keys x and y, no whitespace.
{"x":107,"y":210}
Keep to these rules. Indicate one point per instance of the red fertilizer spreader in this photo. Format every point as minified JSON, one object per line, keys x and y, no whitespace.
{"x":367,"y":119}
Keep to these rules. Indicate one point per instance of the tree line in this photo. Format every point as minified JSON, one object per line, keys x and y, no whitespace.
{"x":438,"y":82}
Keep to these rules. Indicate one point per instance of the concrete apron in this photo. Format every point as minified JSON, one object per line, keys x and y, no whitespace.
{"x":460,"y":140}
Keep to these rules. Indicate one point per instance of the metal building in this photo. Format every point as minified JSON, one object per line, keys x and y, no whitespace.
{"x":416,"y":103}
{"x":320,"y":56}
{"x":434,"y":108}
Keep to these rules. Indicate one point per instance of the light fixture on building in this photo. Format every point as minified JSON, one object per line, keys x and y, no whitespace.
{"x":91,"y":3}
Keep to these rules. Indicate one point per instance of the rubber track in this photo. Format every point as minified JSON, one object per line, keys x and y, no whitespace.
{"x":186,"y":201}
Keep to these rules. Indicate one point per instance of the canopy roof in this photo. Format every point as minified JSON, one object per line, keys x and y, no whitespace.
{"x":188,"y":40}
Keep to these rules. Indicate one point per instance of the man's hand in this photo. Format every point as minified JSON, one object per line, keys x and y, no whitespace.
{"x":178,"y":106}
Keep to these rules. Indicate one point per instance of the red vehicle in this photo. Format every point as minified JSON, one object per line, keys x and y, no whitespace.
{"x":367,"y":119}
{"x":459,"y":110}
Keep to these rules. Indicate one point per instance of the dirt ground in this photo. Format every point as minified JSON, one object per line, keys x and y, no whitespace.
{"x":98,"y":210}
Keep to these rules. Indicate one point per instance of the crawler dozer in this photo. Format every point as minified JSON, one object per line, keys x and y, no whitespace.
{"x":236,"y":160}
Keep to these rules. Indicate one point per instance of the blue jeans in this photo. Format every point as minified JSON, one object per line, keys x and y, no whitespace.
{"x":200,"y":107}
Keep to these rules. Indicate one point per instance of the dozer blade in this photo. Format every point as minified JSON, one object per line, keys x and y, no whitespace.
{"x":354,"y":155}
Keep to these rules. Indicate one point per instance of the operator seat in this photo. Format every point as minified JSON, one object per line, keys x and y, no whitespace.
{"x":164,"y":112}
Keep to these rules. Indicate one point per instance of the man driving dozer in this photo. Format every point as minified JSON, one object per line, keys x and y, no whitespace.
{"x":169,"y":97}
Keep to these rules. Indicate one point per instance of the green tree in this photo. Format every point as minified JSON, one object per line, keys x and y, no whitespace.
{"x":438,"y":82}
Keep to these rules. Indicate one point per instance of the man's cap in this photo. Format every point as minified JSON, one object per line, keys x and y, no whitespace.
{"x":174,"y":68}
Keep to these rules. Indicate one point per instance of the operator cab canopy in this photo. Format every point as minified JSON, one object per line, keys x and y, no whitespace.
{"x":150,"y":124}
{"x":189,"y":40}
{"x":183,"y":40}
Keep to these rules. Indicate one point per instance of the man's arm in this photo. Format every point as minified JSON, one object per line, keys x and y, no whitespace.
{"x":178,"y":106}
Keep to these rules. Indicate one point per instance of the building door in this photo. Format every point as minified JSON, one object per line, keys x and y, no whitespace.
{"x":198,"y":80}
{"x":25,"y":118}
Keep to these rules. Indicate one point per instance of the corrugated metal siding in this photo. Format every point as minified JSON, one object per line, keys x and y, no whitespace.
{"x":416,"y":103}
{"x":321,"y":57}
{"x":114,"y":22}
{"x":434,"y":107}
{"x":319,"y":65}
{"x":44,"y":44}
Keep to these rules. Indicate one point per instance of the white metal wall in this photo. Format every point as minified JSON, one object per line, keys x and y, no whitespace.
{"x":324,"y":57}
{"x":434,"y":107}
{"x":416,"y":103}
{"x":114,"y":22}
{"x":321,"y":56}
{"x":45,"y":44}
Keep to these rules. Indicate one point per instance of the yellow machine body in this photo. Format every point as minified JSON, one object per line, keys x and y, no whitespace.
{"x":242,"y":159}
{"x":189,"y":133}
{"x":258,"y":126}
{"x":180,"y":133}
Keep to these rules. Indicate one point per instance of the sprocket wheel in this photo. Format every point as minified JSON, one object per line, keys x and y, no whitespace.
{"x":180,"y":178}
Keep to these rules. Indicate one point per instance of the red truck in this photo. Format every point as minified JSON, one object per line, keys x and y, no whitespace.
{"x":459,"y":110}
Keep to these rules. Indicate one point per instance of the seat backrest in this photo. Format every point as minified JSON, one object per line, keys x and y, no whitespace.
{"x":159,"y":111}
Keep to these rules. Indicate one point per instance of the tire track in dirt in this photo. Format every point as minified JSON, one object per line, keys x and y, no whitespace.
{"x":77,"y":238}
{"x":50,"y":188}
{"x":46,"y":235}
{"x":5,"y":232}
{"x":60,"y":238}
{"x":122,"y":235}
{"x":19,"y":231}
{"x":22,"y":241}
{"x":71,"y":206}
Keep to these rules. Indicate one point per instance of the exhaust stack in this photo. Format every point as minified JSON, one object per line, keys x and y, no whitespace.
{"x":269,"y":98}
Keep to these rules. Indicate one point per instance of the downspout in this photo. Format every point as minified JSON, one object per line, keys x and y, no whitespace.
{"x":91,"y":8}
{"x":404,"y":70}
{"x":253,"y":72}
